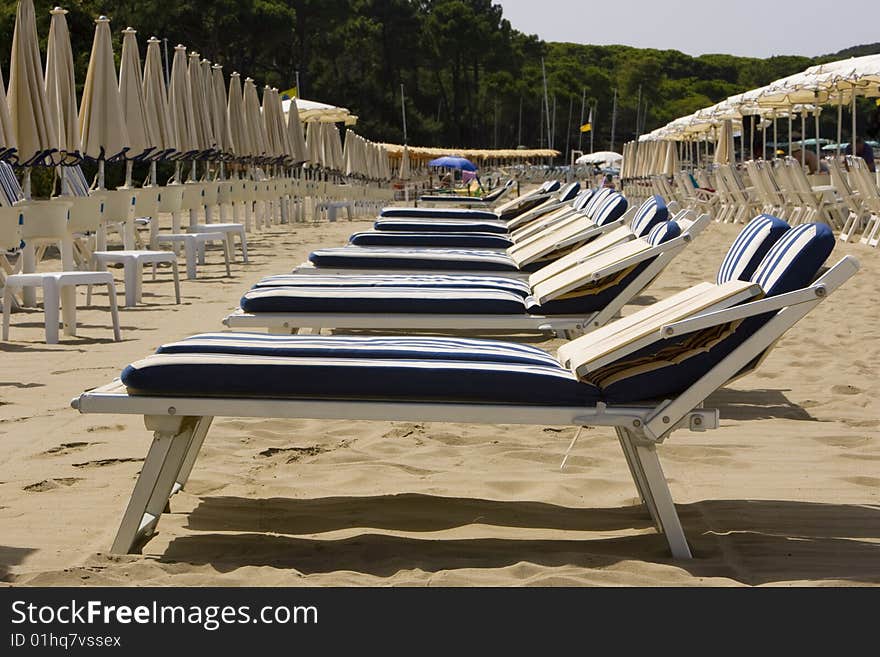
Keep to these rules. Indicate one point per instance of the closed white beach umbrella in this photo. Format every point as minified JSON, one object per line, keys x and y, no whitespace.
{"x":405,"y":172}
{"x":7,"y":134}
{"x":278,"y":114}
{"x":180,"y":103}
{"x":202,"y":132}
{"x":131,"y":93}
{"x":295,"y":132}
{"x":253,"y":119}
{"x":219,"y":110}
{"x":724,"y":146}
{"x":670,"y":164}
{"x":158,"y":118}
{"x":102,"y":128}
{"x":33,"y":127}
{"x":60,"y":83}
{"x":313,"y":143}
{"x":273,"y":138}
{"x":241,"y":146}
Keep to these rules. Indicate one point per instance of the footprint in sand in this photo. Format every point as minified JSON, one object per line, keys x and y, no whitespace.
{"x":845,"y":390}
{"x":50,"y":484}
{"x":102,"y":428}
{"x":868,"y":482}
{"x":100,"y":463}
{"x":67,"y":448}
{"x":405,"y":431}
{"x":295,"y":453}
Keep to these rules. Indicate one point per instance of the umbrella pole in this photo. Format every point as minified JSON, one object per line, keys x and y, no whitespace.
{"x":101,"y":174}
{"x":816,"y":116}
{"x":153,"y":173}
{"x":839,"y":123}
{"x":775,"y":137}
{"x":852,"y":142}
{"x":26,"y":183}
{"x":789,"y":134}
{"x":803,"y":135}
{"x":129,"y":166}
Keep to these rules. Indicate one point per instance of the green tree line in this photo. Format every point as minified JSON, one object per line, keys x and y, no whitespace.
{"x":470,"y":79}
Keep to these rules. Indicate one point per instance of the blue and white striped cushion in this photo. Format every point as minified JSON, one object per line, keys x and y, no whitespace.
{"x":415,"y":225}
{"x":612,"y":208}
{"x":595,"y":201}
{"x":403,"y":258}
{"x":795,"y":259}
{"x":449,"y":281}
{"x":650,"y":213}
{"x":550,"y":186}
{"x":455,"y":240}
{"x":383,"y":300}
{"x":750,"y":247}
{"x":583,"y":199}
{"x":337,"y":367}
{"x":569,"y":192}
{"x":76,"y":181}
{"x":440,"y":213}
{"x":9,"y":186}
{"x":664,"y":232}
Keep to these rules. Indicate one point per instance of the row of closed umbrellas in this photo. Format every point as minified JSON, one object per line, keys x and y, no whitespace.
{"x":136,"y":116}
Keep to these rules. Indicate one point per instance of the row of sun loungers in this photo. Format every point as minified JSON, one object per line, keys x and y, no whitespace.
{"x":645,"y":375}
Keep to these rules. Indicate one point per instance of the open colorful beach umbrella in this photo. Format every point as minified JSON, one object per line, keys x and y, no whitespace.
{"x":33,"y":126}
{"x":452,"y":162}
{"x":61,"y":85}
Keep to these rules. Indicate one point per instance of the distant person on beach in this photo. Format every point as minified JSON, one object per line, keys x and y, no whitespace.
{"x":608,"y":182}
{"x":864,"y":151}
{"x":810,"y":160}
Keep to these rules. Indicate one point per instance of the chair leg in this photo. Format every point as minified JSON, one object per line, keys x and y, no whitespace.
{"x":230,"y":243}
{"x":242,"y":238}
{"x":189,"y":249}
{"x":192,"y":452}
{"x":226,"y":257}
{"x":114,"y":310}
{"x":7,"y":310}
{"x":51,"y":304}
{"x":155,"y":482}
{"x":130,"y":274}
{"x":176,"y":274}
{"x":657,"y":490}
{"x":68,"y":309}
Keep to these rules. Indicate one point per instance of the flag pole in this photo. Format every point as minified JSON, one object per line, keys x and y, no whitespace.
{"x":583,"y":107}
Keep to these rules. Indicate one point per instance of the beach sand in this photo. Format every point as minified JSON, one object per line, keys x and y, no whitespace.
{"x":786,"y":492}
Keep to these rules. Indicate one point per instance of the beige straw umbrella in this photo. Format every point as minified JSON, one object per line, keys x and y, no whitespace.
{"x":278,"y":115}
{"x":103,"y":132}
{"x":7,"y":134}
{"x":404,"y":173}
{"x":724,"y":147}
{"x":238,"y":132}
{"x":202,"y":134}
{"x":181,"y":108}
{"x":134,"y":109}
{"x":295,"y":130}
{"x":159,"y":124}
{"x":273,"y":139}
{"x":61,"y":85}
{"x":33,"y":127}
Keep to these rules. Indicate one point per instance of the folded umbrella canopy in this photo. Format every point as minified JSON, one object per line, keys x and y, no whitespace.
{"x":180,"y":104}
{"x":134,"y":110}
{"x":202,"y":131}
{"x":219,"y":111}
{"x":313,"y":143}
{"x":33,"y":127}
{"x":253,"y":120}
{"x":158,"y":118}
{"x":451,"y":162}
{"x":61,"y":85}
{"x":7,"y":134}
{"x":274,"y":139}
{"x":295,"y":132}
{"x":404,"y":172}
{"x":241,"y":146}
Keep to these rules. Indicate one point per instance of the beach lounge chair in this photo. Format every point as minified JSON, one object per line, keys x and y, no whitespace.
{"x":581,"y":294}
{"x":678,"y":350}
{"x":527,"y":255}
{"x":487,"y":200}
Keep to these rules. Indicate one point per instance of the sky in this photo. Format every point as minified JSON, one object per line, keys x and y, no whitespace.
{"x":751,"y":28}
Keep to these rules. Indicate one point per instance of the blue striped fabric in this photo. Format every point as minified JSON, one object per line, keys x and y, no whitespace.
{"x":650,"y":213}
{"x":451,"y":281}
{"x":9,"y":186}
{"x":583,"y":199}
{"x":440,"y":213}
{"x":793,"y":261}
{"x":77,"y":185}
{"x":663,"y":232}
{"x":463,"y":240}
{"x":569,"y":192}
{"x":403,"y":258}
{"x":383,"y":300}
{"x":750,"y":247}
{"x":441,"y":226}
{"x":595,"y":201}
{"x":339,"y":367}
{"x":611,"y":209}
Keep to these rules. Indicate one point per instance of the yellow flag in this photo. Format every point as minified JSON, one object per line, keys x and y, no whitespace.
{"x":289,"y":93}
{"x":586,"y":127}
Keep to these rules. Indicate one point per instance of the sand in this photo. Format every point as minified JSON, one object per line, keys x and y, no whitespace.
{"x":786,"y":492}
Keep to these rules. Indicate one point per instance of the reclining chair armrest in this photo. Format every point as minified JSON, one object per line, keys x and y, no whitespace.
{"x":672,"y":245}
{"x":587,"y":232}
{"x":822,"y":287}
